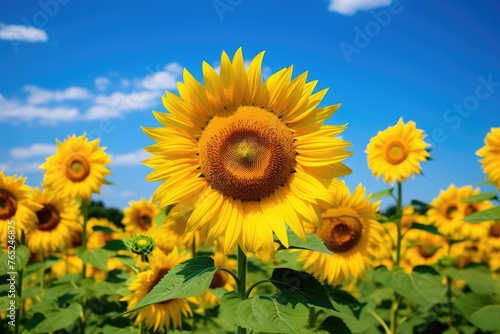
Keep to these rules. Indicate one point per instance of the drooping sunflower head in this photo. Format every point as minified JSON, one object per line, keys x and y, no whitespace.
{"x":242,"y":156}
{"x":58,"y":220}
{"x":396,"y":153}
{"x":350,"y":232}
{"x":77,"y":169}
{"x":162,"y":315}
{"x":140,"y":216}
{"x":16,"y":206}
{"x":448,"y":211}
{"x":490,"y":154}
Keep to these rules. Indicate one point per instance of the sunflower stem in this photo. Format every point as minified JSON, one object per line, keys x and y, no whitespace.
{"x":242,"y":279}
{"x":85,"y":212}
{"x":397,"y":299}
{"x":20,"y":274}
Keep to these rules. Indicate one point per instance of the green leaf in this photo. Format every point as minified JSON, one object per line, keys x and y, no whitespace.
{"x":478,"y":278}
{"x":335,"y":325}
{"x":416,"y":202}
{"x":56,"y":291}
{"x":14,"y":259}
{"x":344,"y":298}
{"x":486,"y":182}
{"x":39,"y":266}
{"x":161,"y":216}
{"x":382,"y":193}
{"x":481,"y":216}
{"x":54,"y":319}
{"x":423,"y":287}
{"x":103,"y":229}
{"x":480,"y":310}
{"x":117,"y":330}
{"x":312,"y":243}
{"x":115,"y":245}
{"x":428,"y":228}
{"x":96,"y":257}
{"x":188,"y":279}
{"x":285,"y":312}
{"x":480,"y":197}
{"x":303,"y":283}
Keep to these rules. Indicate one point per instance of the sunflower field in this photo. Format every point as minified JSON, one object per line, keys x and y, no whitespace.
{"x":251,"y":228}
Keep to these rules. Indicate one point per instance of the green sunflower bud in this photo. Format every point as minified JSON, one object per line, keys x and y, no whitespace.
{"x":141,"y":244}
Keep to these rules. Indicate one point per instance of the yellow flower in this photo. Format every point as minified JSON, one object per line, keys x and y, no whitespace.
{"x":17,"y":208}
{"x":424,"y":248}
{"x":245,"y":157}
{"x":447,"y":212}
{"x":99,"y":238}
{"x":58,"y":219}
{"x":162,"y":315}
{"x":396,"y":152}
{"x":140,"y":216}
{"x":69,"y":264}
{"x":77,"y":169}
{"x":349,"y":231}
{"x":491,"y":246}
{"x":491,"y":156}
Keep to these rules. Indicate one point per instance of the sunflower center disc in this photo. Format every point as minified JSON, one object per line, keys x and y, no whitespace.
{"x":427,"y":250}
{"x":218,"y":281}
{"x":340,"y":234}
{"x":451,"y":211}
{"x":77,"y":168}
{"x":8,"y":204}
{"x":470,"y":209}
{"x":247,"y":153}
{"x":48,"y":218}
{"x":144,"y":219}
{"x":495,"y":230}
{"x":396,"y":153}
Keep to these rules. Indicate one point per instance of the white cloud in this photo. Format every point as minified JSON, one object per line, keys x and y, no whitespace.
{"x":118,"y":103}
{"x":14,"y":110}
{"x":22,"y":33}
{"x":130,"y":159}
{"x":20,"y":168}
{"x":39,"y":95}
{"x":349,"y":7}
{"x":164,"y":79}
{"x":102,"y":83}
{"x":33,"y":150}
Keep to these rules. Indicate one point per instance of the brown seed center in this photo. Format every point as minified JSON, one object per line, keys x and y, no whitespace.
{"x":77,"y":168}
{"x":8,"y":204}
{"x":48,"y":218}
{"x":340,"y":234}
{"x":247,"y":153}
{"x":144,"y":219}
{"x":450,"y":212}
{"x":396,"y":153}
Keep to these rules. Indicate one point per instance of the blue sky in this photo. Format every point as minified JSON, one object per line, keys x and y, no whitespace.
{"x":70,"y":66}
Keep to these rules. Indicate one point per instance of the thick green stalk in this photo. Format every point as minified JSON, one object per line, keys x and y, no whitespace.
{"x":397,"y":299}
{"x":242,"y":279}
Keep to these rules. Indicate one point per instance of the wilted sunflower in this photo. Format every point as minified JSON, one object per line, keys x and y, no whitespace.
{"x":491,"y":156}
{"x":396,"y":152}
{"x":448,"y":211}
{"x":140,"y":216}
{"x":245,"y":157}
{"x":16,"y":205}
{"x":162,"y":315}
{"x":349,"y":231}
{"x":77,"y":169}
{"x":58,"y":219}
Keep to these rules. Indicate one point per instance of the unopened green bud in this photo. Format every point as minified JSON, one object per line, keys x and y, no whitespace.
{"x":141,"y":244}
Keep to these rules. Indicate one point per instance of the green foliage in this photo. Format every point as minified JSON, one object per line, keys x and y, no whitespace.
{"x":428,"y":228}
{"x":53,"y":318}
{"x":188,"y":279}
{"x":98,"y":210}
{"x":480,"y":197}
{"x":481,"y":216}
{"x":312,"y":243}
{"x":96,"y":257}
{"x":383,"y":193}
{"x":15,"y":259}
{"x":284,"y":312}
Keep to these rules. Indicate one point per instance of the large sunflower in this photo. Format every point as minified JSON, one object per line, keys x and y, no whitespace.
{"x":491,"y":156}
{"x":140,"y":216}
{"x":162,"y":315}
{"x":396,"y":152}
{"x":448,"y":211}
{"x":244,"y":156}
{"x":58,"y":219}
{"x":350,"y":231}
{"x":17,"y":206}
{"x":77,"y":169}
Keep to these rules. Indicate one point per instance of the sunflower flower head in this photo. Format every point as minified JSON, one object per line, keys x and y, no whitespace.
{"x":162,"y":315}
{"x":17,"y":206}
{"x":490,"y":154}
{"x":350,"y":232}
{"x":244,"y":158}
{"x":396,"y":153}
{"x":77,"y":169}
{"x":140,"y":216}
{"x":58,"y":220}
